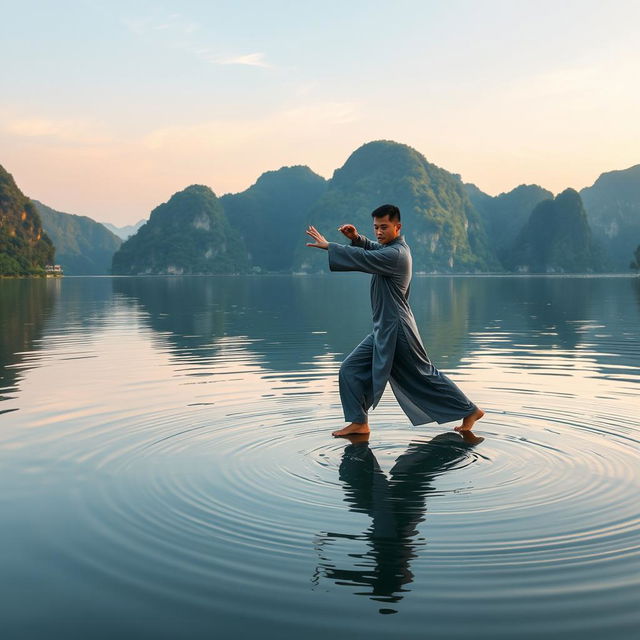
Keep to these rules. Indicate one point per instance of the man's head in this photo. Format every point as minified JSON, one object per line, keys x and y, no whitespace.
{"x":386,"y":223}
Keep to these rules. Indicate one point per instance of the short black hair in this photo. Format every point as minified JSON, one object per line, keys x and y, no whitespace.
{"x":387,"y":210}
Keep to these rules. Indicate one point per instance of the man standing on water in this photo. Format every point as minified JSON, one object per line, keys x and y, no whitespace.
{"x":394,"y":351}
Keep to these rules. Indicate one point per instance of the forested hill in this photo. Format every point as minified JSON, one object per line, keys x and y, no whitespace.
{"x":189,"y":234}
{"x":613,"y":209}
{"x":443,"y":228}
{"x":25,"y":248}
{"x":505,"y":215}
{"x":272,"y":212}
{"x":83,"y":246}
{"x":556,"y":239}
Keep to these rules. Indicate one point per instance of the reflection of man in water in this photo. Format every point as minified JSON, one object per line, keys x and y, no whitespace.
{"x":395,"y":505}
{"x":394,"y":351}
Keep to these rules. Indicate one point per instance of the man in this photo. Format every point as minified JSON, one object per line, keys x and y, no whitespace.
{"x":394,"y":351}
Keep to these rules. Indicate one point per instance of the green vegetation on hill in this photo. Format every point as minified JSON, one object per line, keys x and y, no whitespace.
{"x":556,"y":239}
{"x":506,"y":214}
{"x":189,"y":234}
{"x":270,"y":214}
{"x":25,"y":248}
{"x":442,"y":227}
{"x":83,"y":246}
{"x":613,"y":209}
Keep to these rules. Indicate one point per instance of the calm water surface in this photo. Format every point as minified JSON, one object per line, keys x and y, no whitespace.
{"x":168,"y":471}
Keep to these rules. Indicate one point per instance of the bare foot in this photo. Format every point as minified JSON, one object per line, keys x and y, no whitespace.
{"x":470,"y":420}
{"x":354,"y":427}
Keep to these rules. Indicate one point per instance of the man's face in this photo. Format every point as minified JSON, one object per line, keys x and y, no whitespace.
{"x":386,"y":231}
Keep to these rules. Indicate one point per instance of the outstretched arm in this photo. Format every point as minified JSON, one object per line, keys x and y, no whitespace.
{"x":383,"y":261}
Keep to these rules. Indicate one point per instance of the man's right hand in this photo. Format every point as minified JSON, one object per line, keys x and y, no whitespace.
{"x":349,"y":230}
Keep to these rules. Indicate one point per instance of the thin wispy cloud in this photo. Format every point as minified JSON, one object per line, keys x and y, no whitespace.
{"x":237,"y":132}
{"x":250,"y":59}
{"x":67,"y":131}
{"x":296,"y":120}
{"x":178,"y":32}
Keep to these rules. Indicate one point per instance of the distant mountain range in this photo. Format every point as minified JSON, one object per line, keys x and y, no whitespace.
{"x":83,"y":246}
{"x":452,"y":227}
{"x":124,"y":232}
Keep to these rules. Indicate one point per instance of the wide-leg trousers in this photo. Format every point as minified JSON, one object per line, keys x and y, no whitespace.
{"x":424,"y":393}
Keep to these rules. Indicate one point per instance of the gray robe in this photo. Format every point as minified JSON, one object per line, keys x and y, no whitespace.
{"x":398,"y":355}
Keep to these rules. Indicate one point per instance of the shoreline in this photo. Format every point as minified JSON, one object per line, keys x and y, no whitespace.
{"x":43,"y":276}
{"x":322,"y":274}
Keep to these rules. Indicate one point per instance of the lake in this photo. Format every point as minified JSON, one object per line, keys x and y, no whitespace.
{"x":168,"y":469}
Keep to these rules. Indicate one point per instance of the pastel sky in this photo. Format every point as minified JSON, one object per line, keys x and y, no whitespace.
{"x":107,"y":108}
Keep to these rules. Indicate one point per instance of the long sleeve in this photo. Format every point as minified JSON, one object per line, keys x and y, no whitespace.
{"x":381,"y":261}
{"x":365,"y":243}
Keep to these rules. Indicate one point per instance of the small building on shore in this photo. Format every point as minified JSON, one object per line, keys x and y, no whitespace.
{"x":53,"y":270}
